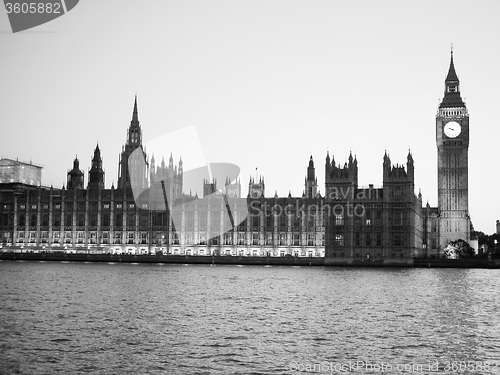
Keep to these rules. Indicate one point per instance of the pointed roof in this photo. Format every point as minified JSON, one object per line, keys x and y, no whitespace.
{"x":387,"y":159}
{"x":76,"y":168}
{"x":135,"y":115}
{"x":452,"y":74}
{"x":311,"y":162}
{"x":97,"y":154}
{"x":134,"y":124}
{"x":452,"y":98}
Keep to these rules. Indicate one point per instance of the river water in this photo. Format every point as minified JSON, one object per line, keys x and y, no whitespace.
{"x":75,"y":318}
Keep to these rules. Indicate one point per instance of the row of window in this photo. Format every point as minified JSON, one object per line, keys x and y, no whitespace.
{"x":369,"y":217}
{"x":144,"y":219}
{"x":397,"y":239}
{"x":130,"y":220}
{"x":161,"y":238}
{"x":81,"y":206}
{"x":368,"y":239}
{"x":358,"y":255}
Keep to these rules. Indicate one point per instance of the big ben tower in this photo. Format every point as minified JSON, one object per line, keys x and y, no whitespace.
{"x":452,"y":138}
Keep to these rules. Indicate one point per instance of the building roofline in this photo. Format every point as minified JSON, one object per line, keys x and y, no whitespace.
{"x":30,"y":163}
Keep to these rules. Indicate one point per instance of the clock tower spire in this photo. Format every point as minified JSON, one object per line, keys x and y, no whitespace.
{"x":452,"y":140}
{"x":452,"y":96}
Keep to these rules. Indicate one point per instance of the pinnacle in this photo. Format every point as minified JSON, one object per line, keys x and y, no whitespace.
{"x":452,"y":74}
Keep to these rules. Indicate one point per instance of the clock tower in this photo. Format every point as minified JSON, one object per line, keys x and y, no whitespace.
{"x":452,"y":139}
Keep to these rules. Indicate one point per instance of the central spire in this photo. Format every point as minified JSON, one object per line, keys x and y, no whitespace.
{"x":135,"y":116}
{"x":134,"y":131}
{"x":134,"y":141}
{"x":97,"y":160}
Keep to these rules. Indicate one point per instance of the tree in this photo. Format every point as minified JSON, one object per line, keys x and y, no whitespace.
{"x":480,"y":236}
{"x":491,"y":240}
{"x":459,"y":250}
{"x":493,"y":244}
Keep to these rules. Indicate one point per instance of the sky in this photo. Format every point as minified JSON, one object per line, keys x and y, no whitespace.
{"x":266,"y":84}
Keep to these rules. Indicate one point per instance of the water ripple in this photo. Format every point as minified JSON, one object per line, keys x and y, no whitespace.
{"x":117,"y":318}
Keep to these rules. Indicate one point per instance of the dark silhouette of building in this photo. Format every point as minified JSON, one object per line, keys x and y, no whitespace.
{"x":372,"y":223}
{"x":148,"y":211}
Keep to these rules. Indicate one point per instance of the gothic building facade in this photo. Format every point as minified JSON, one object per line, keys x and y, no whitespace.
{"x":148,"y":211}
{"x":372,"y":223}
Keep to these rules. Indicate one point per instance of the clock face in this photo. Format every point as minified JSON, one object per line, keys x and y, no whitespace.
{"x":452,"y":129}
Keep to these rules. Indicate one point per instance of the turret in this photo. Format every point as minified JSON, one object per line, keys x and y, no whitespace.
{"x":348,"y":173}
{"x":311,"y":183}
{"x":399,"y":182}
{"x":410,"y":167}
{"x":328,"y":164}
{"x":232,"y":189}
{"x":256,"y":189}
{"x":341,"y":181}
{"x":134,"y":130}
{"x":152,"y":169}
{"x":386,"y":164}
{"x":96,"y":173}
{"x":138,"y":167}
{"x":75,"y":176}
{"x":209,"y":187}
